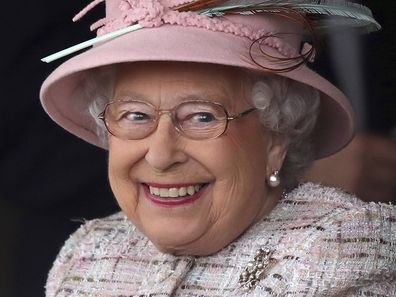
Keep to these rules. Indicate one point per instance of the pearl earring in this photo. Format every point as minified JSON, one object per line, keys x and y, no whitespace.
{"x":274,"y":180}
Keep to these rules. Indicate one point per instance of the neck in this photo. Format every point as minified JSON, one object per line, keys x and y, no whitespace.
{"x":271,"y":200}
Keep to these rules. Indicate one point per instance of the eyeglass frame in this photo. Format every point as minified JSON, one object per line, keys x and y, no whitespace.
{"x":160,"y":112}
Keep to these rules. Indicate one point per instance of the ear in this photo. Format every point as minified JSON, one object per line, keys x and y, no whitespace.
{"x":277,"y":151}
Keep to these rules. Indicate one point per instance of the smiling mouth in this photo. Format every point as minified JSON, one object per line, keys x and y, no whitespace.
{"x":175,"y":192}
{"x":173,"y":195}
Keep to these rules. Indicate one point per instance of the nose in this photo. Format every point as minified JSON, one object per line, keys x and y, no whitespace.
{"x":165,"y":147}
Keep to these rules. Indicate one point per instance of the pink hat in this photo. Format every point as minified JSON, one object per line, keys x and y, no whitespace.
{"x":236,"y":33}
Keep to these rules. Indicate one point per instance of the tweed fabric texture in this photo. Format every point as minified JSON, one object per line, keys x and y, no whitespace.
{"x":324,"y":242}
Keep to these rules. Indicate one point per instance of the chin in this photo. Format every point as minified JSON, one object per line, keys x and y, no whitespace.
{"x":173,"y":236}
{"x":174,"y":225}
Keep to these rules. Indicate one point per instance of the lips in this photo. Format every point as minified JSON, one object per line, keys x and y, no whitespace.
{"x":169,"y":195}
{"x":175,"y":192}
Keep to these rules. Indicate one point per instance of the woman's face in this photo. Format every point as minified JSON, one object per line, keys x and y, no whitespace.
{"x":229,"y":171}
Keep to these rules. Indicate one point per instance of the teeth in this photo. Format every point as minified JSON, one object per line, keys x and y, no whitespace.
{"x":174,"y":192}
{"x":164,"y":192}
{"x":191,"y":190}
{"x":154,"y":191}
{"x":182,"y":191}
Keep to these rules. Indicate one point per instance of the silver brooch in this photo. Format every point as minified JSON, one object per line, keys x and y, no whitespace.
{"x":255,"y":270}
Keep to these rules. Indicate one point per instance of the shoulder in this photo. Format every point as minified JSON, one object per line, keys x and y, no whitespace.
{"x":356,"y":244}
{"x":104,"y":238}
{"x":342,"y":209}
{"x":327,"y":196}
{"x":332,"y":202}
{"x":312,"y":207}
{"x":345,"y":219}
{"x":328,"y":242}
{"x":95,"y":231}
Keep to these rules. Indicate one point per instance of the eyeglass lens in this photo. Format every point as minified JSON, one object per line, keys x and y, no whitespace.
{"x":136,"y":119}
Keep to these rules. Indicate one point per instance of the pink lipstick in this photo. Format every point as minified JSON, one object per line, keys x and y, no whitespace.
{"x":173,"y":195}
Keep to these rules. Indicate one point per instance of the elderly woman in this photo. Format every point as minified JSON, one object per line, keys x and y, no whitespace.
{"x":210,"y":115}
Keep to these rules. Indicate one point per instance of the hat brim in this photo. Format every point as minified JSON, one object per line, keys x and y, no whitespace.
{"x":60,"y":98}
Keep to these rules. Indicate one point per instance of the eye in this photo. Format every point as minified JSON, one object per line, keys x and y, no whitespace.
{"x":128,"y":118}
{"x":136,"y":116}
{"x":203,"y":117}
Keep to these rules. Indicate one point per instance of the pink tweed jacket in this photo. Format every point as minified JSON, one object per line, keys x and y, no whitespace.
{"x":323,"y":242}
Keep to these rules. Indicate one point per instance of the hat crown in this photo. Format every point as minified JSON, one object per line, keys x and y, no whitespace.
{"x":154,"y":13}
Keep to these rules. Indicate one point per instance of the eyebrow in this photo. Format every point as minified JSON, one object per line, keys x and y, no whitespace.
{"x":204,"y":96}
{"x":201,"y":96}
{"x":132,"y":95}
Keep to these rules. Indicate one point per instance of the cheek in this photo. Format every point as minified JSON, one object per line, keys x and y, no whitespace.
{"x":240,"y":168}
{"x":119,"y":160}
{"x":122,"y":157}
{"x":250,"y":145}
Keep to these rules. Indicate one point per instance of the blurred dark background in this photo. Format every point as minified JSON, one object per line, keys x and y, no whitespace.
{"x":50,"y":180}
{"x":379,"y":64}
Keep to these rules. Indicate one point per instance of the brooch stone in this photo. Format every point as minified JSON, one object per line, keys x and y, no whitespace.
{"x":255,"y":270}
